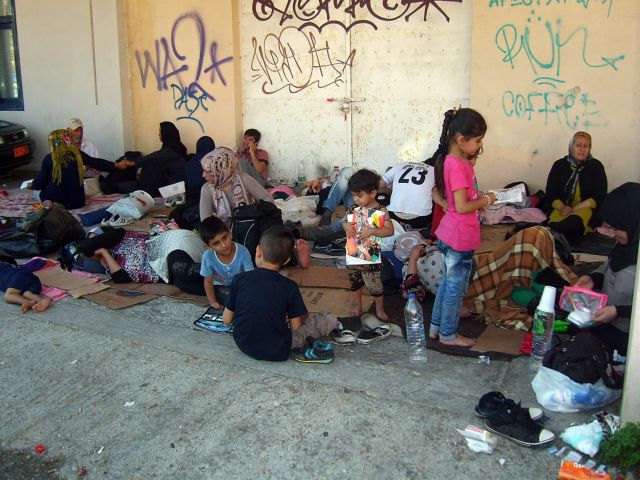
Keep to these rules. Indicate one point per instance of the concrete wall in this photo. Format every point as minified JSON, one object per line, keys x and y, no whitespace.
{"x":543,"y":70}
{"x":57,"y":40}
{"x":183,"y":69}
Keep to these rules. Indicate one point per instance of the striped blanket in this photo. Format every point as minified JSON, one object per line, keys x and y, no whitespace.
{"x":512,"y":264}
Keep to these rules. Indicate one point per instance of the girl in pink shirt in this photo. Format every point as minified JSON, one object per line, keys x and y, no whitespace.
{"x":459,"y":231}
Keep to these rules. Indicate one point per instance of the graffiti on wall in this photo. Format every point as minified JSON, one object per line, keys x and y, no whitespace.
{"x":297,"y":57}
{"x":320,"y":13}
{"x":296,"y":60}
{"x":541,"y":49}
{"x":187,"y":79}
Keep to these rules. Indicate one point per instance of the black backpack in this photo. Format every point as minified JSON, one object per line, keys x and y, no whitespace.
{"x":250,"y":221}
{"x":584,"y":359}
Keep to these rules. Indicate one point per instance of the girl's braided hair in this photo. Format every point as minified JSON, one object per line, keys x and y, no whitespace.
{"x":464,"y":121}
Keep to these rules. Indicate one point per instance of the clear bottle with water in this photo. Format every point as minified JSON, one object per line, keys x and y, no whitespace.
{"x":335,"y":174}
{"x":542,"y":328}
{"x":414,"y":320}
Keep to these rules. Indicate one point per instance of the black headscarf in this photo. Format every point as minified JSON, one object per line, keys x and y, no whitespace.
{"x":170,"y":137}
{"x":621,"y":210}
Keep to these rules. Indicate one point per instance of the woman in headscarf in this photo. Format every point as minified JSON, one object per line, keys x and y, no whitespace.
{"x":226,"y":186}
{"x":576,"y":187}
{"x":170,"y":138}
{"x":194,"y":180}
{"x":620,"y":217}
{"x":165,"y":166}
{"x":61,"y":177}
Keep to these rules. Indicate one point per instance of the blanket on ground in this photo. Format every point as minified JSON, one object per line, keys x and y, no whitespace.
{"x":513,"y":264}
{"x":19,"y":202}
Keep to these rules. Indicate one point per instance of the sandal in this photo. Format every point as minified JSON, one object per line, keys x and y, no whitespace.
{"x":494,"y":402}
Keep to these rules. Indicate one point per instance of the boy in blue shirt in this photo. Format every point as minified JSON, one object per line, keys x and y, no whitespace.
{"x":223,"y":260}
{"x":267,"y":311}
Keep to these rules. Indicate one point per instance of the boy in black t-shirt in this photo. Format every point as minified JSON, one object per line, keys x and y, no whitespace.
{"x":269,"y":316}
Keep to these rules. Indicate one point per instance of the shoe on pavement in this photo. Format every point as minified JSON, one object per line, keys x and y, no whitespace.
{"x":493,"y":402}
{"x":343,"y":336}
{"x":318,"y":352}
{"x":367,"y":336}
{"x":517,"y":426}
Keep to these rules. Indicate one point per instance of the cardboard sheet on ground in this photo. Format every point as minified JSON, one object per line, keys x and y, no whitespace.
{"x":492,"y":237}
{"x":162,"y":289}
{"x":313,"y":276}
{"x":495,"y":339}
{"x":117,"y":298}
{"x":156,"y":213}
{"x":332,"y":300}
{"x":57,"y":277}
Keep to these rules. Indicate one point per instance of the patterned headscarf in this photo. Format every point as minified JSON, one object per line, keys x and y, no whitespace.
{"x":576,"y":168}
{"x":62,"y":153}
{"x":222,"y":165}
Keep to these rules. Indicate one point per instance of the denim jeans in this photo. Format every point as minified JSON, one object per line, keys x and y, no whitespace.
{"x":453,"y":286}
{"x":339,"y":191}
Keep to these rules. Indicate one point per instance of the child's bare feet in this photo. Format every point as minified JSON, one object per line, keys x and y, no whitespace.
{"x":42,"y":305}
{"x":459,"y":341}
{"x":26,"y":306}
{"x":382,"y":315}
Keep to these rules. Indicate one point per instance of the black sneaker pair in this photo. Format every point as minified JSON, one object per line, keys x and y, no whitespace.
{"x":333,"y":249}
{"x":509,"y":419}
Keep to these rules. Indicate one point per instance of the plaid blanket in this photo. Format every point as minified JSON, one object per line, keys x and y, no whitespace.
{"x":513,"y":264}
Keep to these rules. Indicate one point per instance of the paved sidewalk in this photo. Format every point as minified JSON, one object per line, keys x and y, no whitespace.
{"x":204,"y":410}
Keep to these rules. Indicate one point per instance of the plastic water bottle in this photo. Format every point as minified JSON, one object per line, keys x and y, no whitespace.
{"x":542,"y":327}
{"x":414,"y":321}
{"x":335,"y":174}
{"x":302,"y":177}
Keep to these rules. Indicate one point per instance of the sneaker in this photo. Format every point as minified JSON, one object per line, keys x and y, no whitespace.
{"x":516,"y":425}
{"x":330,"y":249}
{"x":492,"y":402}
{"x":367,"y":336}
{"x":319,"y":352}
{"x":326,"y":217}
{"x":343,"y":336}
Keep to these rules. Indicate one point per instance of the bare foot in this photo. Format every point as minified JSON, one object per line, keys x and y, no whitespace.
{"x":42,"y":305}
{"x":431,"y":337}
{"x":459,"y":341}
{"x":465,"y":312}
{"x":382,"y":315}
{"x":26,"y":306}
{"x":356,"y":312}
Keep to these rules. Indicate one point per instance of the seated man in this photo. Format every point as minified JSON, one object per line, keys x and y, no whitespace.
{"x":254,"y":160}
{"x":82,"y":143}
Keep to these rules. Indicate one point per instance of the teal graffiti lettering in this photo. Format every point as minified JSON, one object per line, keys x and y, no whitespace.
{"x":190,"y":100}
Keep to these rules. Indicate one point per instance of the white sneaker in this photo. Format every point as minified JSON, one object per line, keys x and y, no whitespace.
{"x":343,"y":336}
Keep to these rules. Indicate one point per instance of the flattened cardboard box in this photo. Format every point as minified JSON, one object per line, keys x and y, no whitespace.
{"x":332,"y":300}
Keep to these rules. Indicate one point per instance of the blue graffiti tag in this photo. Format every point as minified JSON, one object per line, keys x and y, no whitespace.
{"x":170,"y":63}
{"x":512,"y":43}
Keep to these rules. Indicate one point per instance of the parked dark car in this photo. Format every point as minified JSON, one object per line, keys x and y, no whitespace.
{"x":16,"y":146}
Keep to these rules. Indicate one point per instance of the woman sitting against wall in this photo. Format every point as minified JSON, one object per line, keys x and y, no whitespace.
{"x":226,"y":186}
{"x":576,"y":187}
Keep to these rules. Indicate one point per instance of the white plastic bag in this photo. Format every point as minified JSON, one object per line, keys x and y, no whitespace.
{"x":558,"y":393}
{"x":299,"y":209}
{"x":133,"y":206}
{"x":388,"y":242}
{"x":585,"y":438}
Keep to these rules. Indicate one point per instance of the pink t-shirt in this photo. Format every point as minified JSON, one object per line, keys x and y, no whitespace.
{"x":460,"y":231}
{"x":261,"y":154}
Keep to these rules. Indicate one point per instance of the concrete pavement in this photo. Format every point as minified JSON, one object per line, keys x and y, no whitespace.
{"x":204,"y":410}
